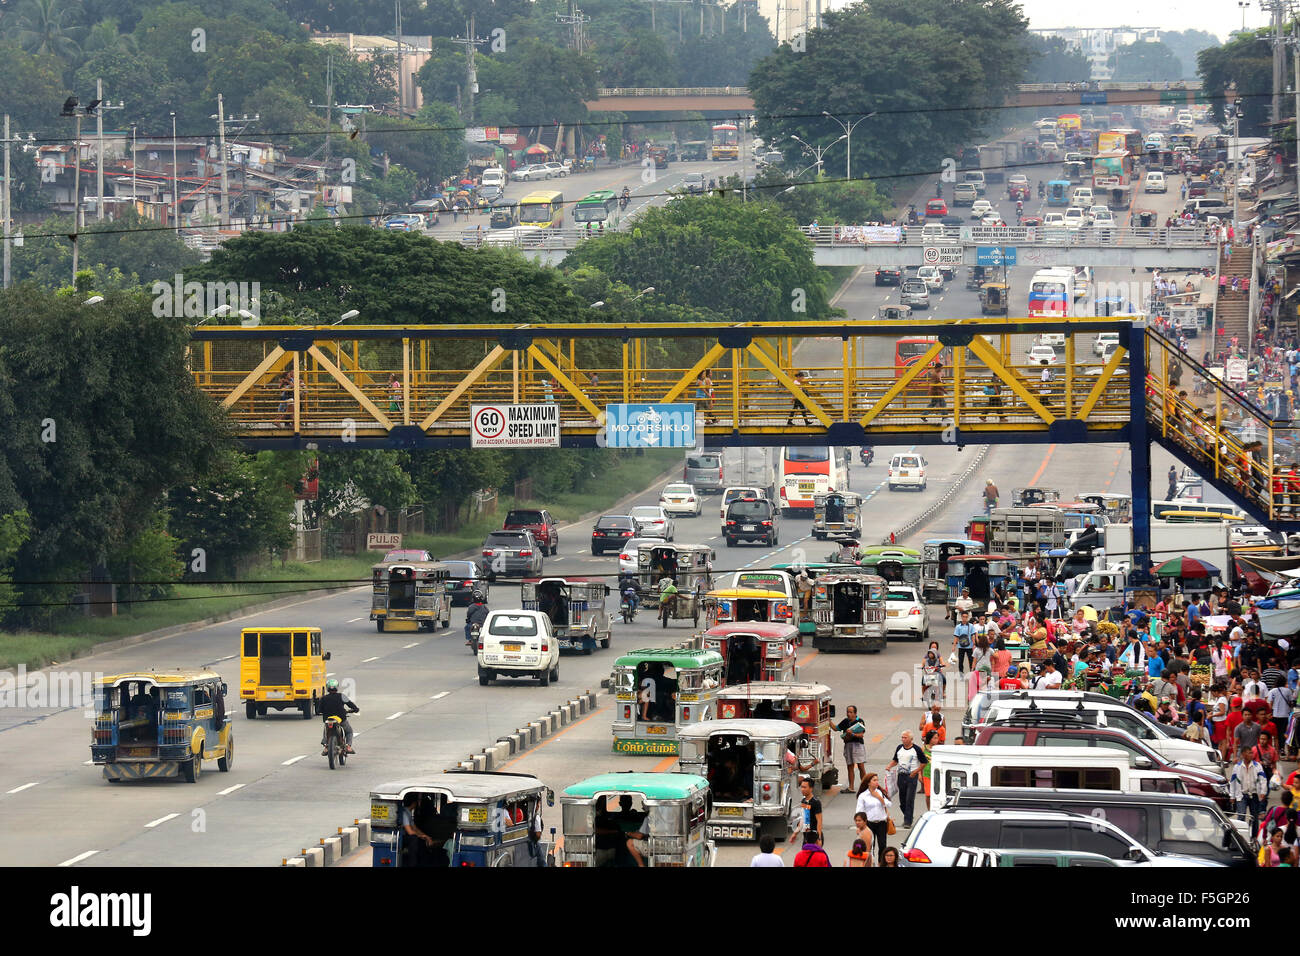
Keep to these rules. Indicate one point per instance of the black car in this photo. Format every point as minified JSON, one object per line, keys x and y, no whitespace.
{"x":750,"y":519}
{"x":889,"y":275}
{"x":611,"y":533}
{"x":466,"y":578}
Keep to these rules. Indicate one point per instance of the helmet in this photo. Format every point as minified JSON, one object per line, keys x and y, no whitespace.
{"x":331,"y":684}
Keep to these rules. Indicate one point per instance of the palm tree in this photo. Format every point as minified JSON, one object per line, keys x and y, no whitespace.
{"x":44,"y":26}
{"x":106,"y":37}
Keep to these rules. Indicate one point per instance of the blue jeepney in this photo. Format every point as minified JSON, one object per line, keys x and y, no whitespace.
{"x":935,"y":553}
{"x":474,"y":818}
{"x":981,"y":573}
{"x":1058,"y":192}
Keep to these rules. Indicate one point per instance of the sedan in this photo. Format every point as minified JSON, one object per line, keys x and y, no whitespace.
{"x":906,"y":614}
{"x":611,"y":533}
{"x":627,"y":558}
{"x":1039,"y":354}
{"x":531,"y":173}
{"x":889,"y":275}
{"x":680,"y":499}
{"x":936,"y":209}
{"x":407,"y":222}
{"x":1075,"y":218}
{"x":980,"y":208}
{"x":993,"y":221}
{"x":653,"y":522}
{"x":466,"y":578}
{"x":555,"y":170}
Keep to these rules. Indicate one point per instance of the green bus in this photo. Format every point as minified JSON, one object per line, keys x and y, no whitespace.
{"x":596,"y":207}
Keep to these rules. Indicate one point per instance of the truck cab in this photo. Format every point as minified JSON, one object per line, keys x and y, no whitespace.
{"x":1101,"y":590}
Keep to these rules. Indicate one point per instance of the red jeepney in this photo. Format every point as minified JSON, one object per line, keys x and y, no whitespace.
{"x":755,"y":650}
{"x":977,"y":529}
{"x":808,"y":705}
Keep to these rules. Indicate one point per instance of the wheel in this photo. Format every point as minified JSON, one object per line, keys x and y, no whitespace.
{"x":343,"y":754}
{"x":924,"y":638}
{"x":604,"y":642}
{"x":379,"y":625}
{"x":250,"y":710}
{"x":331,"y":748}
{"x":819,"y":536}
{"x":555,"y":549}
{"x":695,"y":617}
{"x":261,"y":710}
{"x":775,"y":541}
{"x":225,"y":762}
{"x":627,"y":619}
{"x":446,"y":623}
{"x":555,"y":673}
{"x":484,"y":677}
{"x":596,"y":553}
{"x":731,"y":542}
{"x":113,"y":779}
{"x":193,"y":769}
{"x":544,"y":679}
{"x":664,"y":619}
{"x":587,"y":649}
{"x":306,"y":709}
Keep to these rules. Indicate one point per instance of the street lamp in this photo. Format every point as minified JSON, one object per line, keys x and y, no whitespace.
{"x":1243,"y":4}
{"x":648,"y":288}
{"x":848,"y":133}
{"x":817,"y":151}
{"x":350,"y":314}
{"x":598,"y":305}
{"x":72,"y":110}
{"x":176,"y":202}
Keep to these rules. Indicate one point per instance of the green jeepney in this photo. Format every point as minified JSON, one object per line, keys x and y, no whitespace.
{"x":682,"y":688}
{"x":671,"y":809}
{"x":695,"y":151}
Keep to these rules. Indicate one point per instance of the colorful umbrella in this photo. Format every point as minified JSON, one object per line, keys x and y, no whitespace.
{"x":1185,"y":567}
{"x":537,"y":150}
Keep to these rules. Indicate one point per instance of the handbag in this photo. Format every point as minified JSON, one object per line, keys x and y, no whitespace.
{"x":889,"y":826}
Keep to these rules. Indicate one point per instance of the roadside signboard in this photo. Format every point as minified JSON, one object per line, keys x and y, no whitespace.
{"x":941,"y":255}
{"x":995,"y":255}
{"x":515,"y":426}
{"x":383,"y":541}
{"x":650,"y":426}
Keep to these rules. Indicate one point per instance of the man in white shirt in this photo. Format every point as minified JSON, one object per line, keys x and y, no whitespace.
{"x":1050,"y":679}
{"x":766,"y":855}
{"x":963,"y":603}
{"x":909,"y":759}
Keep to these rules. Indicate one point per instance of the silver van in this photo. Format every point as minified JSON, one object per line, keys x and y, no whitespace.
{"x":915,"y":293}
{"x":705,"y":471}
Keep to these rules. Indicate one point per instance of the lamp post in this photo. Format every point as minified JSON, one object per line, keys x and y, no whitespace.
{"x":176,"y":203}
{"x":1243,"y":4}
{"x":817,"y":151}
{"x":848,"y":134}
{"x":72,"y":109}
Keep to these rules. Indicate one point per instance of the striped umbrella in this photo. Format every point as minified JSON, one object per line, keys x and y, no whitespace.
{"x":1185,"y":567}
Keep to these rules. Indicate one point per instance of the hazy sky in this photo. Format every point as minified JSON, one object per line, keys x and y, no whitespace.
{"x":1219,"y":17}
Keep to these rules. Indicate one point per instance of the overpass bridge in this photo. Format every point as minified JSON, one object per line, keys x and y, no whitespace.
{"x":737,"y":100}
{"x":1147,"y":390}
{"x":1180,"y":247}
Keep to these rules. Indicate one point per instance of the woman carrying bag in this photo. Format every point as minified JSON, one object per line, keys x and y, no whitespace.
{"x":873,"y":803}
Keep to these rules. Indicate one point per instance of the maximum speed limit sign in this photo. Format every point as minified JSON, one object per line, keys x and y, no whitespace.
{"x":489,"y":422}
{"x":931,"y":255}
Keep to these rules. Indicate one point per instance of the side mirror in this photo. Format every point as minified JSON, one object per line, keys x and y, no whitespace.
{"x":1142,"y":763}
{"x":832,"y":710}
{"x":550,"y":798}
{"x":1135,"y":854}
{"x":224,"y":691}
{"x":326,"y":657}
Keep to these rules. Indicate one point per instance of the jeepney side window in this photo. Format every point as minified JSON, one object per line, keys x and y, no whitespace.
{"x":202,"y":696}
{"x":250,"y":643}
{"x":624,"y":681}
{"x":954,"y":780}
{"x":299,"y":643}
{"x":576,"y":819}
{"x":315,"y":644}
{"x":689,"y":750}
{"x":697,"y":814}
{"x":666,"y":820}
{"x":690,"y":680}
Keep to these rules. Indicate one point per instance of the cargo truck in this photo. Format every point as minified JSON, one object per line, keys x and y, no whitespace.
{"x":1025,"y":532}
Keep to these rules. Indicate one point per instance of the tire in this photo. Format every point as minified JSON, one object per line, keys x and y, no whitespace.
{"x":250,"y":710}
{"x":596,"y":553}
{"x":343,"y":754}
{"x":605,"y":642}
{"x":544,"y":679}
{"x":306,"y":709}
{"x":379,"y":625}
{"x":587,"y":649}
{"x":555,"y":549}
{"x":731,"y":542}
{"x":262,"y":709}
{"x":331,"y":748}
{"x":555,"y":672}
{"x":446,"y":623}
{"x":224,"y":763}
{"x":193,"y":769}
{"x":484,"y":677}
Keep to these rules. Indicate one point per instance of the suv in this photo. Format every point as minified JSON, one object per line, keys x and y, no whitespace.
{"x":907,"y":471}
{"x":750,"y":519}
{"x":694,"y":183}
{"x":518,"y":644}
{"x":1068,"y":733}
{"x":963,"y":194}
{"x":733,"y":492}
{"x":611,"y":533}
{"x":704,"y":471}
{"x":915,"y":293}
{"x":1163,"y":822}
{"x":510,"y":553}
{"x":940,"y":834}
{"x":539,"y":522}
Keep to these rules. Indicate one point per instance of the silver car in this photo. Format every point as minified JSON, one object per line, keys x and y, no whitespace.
{"x":653,"y":522}
{"x":510,"y":554}
{"x":915,"y":293}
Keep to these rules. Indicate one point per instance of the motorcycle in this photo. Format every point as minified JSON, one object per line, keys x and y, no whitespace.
{"x":867,"y":454}
{"x":336,"y":742}
{"x":472,"y":641}
{"x":628,"y":610}
{"x":623,"y":202}
{"x":1042,"y":190}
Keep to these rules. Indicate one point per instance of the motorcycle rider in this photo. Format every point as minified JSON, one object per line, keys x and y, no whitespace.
{"x":1042,"y":189}
{"x":1020,"y":207}
{"x":476,"y":614}
{"x":336,"y":704}
{"x":713,"y":184}
{"x":630,"y":597}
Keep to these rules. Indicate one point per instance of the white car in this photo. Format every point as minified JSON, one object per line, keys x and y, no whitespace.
{"x":1075,"y":218}
{"x":906,"y":613}
{"x":1105,"y":342}
{"x":1049,"y":150}
{"x":627,"y":558}
{"x":932,"y":277}
{"x":1053,"y":219}
{"x":526,"y":174}
{"x":980,"y":208}
{"x":680,"y":498}
{"x":518,"y":643}
{"x":1053,"y":340}
{"x":1039,"y":353}
{"x":993,"y":221}
{"x":1248,"y":535}
{"x":907,"y":471}
{"x":1100,"y":216}
{"x":555,"y":170}
{"x":733,"y":492}
{"x":652,"y":522}
{"x":1154,"y":182}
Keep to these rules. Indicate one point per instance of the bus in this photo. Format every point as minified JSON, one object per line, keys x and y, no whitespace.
{"x":1109,"y":141}
{"x":596,"y":207}
{"x":1133,"y":140}
{"x":1066,"y":124}
{"x":807,"y":470}
{"x":1051,"y":292}
{"x":907,"y":351}
{"x":544,"y":208}
{"x":1112,"y":168}
{"x":726,"y":141}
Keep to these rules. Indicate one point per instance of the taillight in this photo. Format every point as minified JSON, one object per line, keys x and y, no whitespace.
{"x":767,"y":787}
{"x":690,"y":499}
{"x":487,"y":554}
{"x":546,"y":648}
{"x":783,"y":494}
{"x":767,"y":524}
{"x":525,"y":554}
{"x":468,"y":584}
{"x":480,"y":645}
{"x":719,"y":473}
{"x":686,"y":713}
{"x":627,"y":711}
{"x":915,"y":856}
{"x":914,"y":611}
{"x":729,"y":521}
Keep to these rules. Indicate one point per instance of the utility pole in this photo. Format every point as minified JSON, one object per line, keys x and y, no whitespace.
{"x":176,"y":202}
{"x":470,"y":42}
{"x":222,"y":123}
{"x":99,"y":123}
{"x":397,"y":26}
{"x":1295,"y":54}
{"x":8,"y":204}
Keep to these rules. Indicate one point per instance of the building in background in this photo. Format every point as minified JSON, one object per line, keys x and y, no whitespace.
{"x":413,"y":52}
{"x":1099,"y":43}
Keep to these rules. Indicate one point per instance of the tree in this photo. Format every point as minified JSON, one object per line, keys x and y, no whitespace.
{"x":431,"y":145}
{"x":827,"y":200}
{"x":33,"y":90}
{"x":349,"y":480}
{"x":1147,"y":61}
{"x":643,"y":59}
{"x":1246,"y":62}
{"x":48,"y":27}
{"x":443,"y":75}
{"x":15,"y":529}
{"x":117,"y":255}
{"x":1053,"y":61}
{"x":1186,"y":44}
{"x":123,"y":72}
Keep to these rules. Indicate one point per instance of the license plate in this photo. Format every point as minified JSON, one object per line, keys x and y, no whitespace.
{"x":748,"y":527}
{"x":656,"y":730}
{"x":512,"y":647}
{"x":137,"y":752}
{"x":807,"y":487}
{"x":894,"y":613}
{"x":478,"y":815}
{"x":730,"y":811}
{"x":275,"y":695}
{"x":905,"y":474}
{"x":849,"y":630}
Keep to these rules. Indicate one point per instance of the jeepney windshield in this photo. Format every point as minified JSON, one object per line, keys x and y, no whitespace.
{"x":730,"y":768}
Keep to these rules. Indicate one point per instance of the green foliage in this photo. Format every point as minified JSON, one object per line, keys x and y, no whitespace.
{"x":15,"y":529}
{"x":827,"y":200}
{"x":33,"y":88}
{"x":1244,"y":60}
{"x":1051,"y":61}
{"x":1147,"y":61}
{"x":352,"y":479}
{"x":116,"y":255}
{"x":432,"y":145}
{"x":1186,"y":44}
{"x":151,"y":556}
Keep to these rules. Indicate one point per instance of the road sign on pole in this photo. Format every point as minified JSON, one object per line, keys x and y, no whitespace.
{"x":995,"y":255}
{"x":515,"y":426}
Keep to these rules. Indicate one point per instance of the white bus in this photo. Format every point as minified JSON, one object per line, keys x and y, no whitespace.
{"x":807,"y":470}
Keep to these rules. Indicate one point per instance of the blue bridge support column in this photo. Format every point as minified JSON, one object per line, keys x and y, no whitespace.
{"x":1140,"y":454}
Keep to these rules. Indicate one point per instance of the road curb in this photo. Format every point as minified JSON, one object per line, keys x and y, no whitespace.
{"x":956,"y":486}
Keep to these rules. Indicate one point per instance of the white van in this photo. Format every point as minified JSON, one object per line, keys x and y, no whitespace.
{"x":1082,"y":197}
{"x":494,"y":176}
{"x":518,"y":643}
{"x":1069,"y":768}
{"x":976,"y":178}
{"x":1154,"y":182}
{"x":907,"y":471}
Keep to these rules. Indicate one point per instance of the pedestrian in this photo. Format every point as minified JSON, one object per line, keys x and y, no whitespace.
{"x":852,"y":731}
{"x":796,"y":406}
{"x":990,"y":496}
{"x":963,"y":641}
{"x":1173,"y":482}
{"x":812,"y":853}
{"x":909,"y":759}
{"x":708,"y":398}
{"x":394,"y":393}
{"x":859,"y":854}
{"x":928,"y":740}
{"x":889,"y":857}
{"x":766,"y":855}
{"x":935,"y":379}
{"x":812,"y":809}
{"x":874,"y":805}
{"x":1248,"y":787}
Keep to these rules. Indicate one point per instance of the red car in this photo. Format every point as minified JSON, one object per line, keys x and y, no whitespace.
{"x":1018,"y":191}
{"x":539,"y":522}
{"x":1028,"y":221}
{"x":936,"y":209}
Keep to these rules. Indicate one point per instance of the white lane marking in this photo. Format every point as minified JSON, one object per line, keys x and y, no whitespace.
{"x":228,"y":657}
{"x":392,"y":716}
{"x":153,"y":823}
{"x":440,"y":696}
{"x":26,"y":786}
{"x":329,"y":674}
{"x":369,"y":659}
{"x":412,"y":644}
{"x":229,"y":790}
{"x":355,"y":619}
{"x":293,"y":760}
{"x":78,"y":858}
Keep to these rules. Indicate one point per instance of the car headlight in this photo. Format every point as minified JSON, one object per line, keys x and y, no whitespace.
{"x":1220,"y":788}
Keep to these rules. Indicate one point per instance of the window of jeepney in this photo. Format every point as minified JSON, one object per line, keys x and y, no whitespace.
{"x":202,"y":695}
{"x":877,"y":593}
{"x":770,"y":752}
{"x":624,"y":680}
{"x":576,"y":818}
{"x":691,"y":680}
{"x":667,"y":820}
{"x":299,"y":643}
{"x":110,"y":699}
{"x":688,"y":750}
{"x":315,"y":644}
{"x":998,"y":567}
{"x":250,"y":644}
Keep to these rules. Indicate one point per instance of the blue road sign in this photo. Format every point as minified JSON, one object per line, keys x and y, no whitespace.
{"x":650,"y":426}
{"x":1092,"y":98}
{"x":995,"y":255}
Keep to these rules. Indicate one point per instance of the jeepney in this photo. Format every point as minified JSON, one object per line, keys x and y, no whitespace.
{"x":658,"y":692}
{"x":475,"y":819}
{"x":690,"y":566}
{"x":837,"y":515}
{"x":849,"y":611}
{"x":808,"y":705}
{"x":281,"y":667}
{"x":671,"y":809}
{"x":1024,"y":497}
{"x":576,"y":607}
{"x":981,"y":573}
{"x":751,"y":765}
{"x":747,"y":604}
{"x":894,"y":568}
{"x":935,"y":553}
{"x":1117,"y":507}
{"x":410,"y":595}
{"x":755,"y":651}
{"x":807,"y":627}
{"x":993,"y":298}
{"x":149,"y":724}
